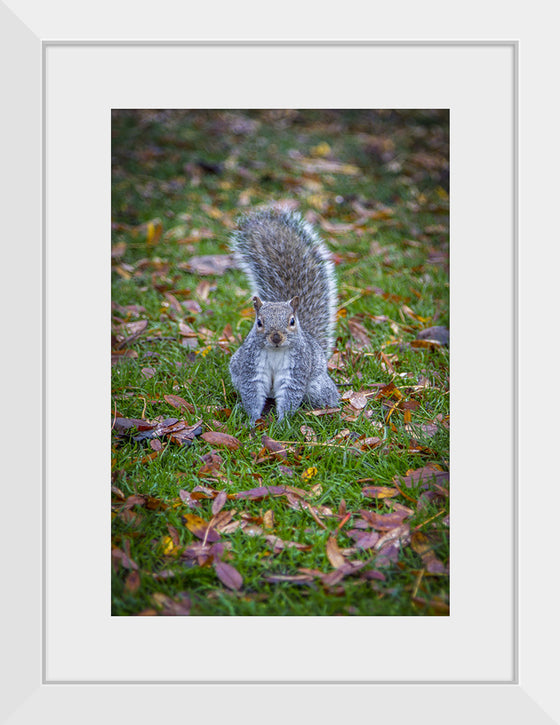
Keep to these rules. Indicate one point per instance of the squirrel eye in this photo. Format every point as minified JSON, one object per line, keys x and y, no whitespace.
{"x":292,"y":321}
{"x":259,"y":322}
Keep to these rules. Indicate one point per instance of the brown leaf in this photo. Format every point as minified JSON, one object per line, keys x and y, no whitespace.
{"x":209,"y":264}
{"x":186,"y":330}
{"x":389,"y":391}
{"x":186,"y":497}
{"x":333,"y":553}
{"x":125,"y":560}
{"x":174,"y":534}
{"x":360,"y":335}
{"x":427,"y":474}
{"x":399,"y":535}
{"x":221,"y":520}
{"x":364,"y":539}
{"x":199,"y":492}
{"x":134,"y":500}
{"x":216,"y":438}
{"x":297,"y":578}
{"x":356,"y":399}
{"x":155,"y":504}
{"x":228,"y":575}
{"x":274,"y":447}
{"x":379,"y":491}
{"x":200,"y":528}
{"x":173,"y":302}
{"x":388,"y":554}
{"x":177,"y":402}
{"x":279,"y":544}
{"x":178,"y":607}
{"x":211,"y":467}
{"x":349,"y":567}
{"x":421,"y":544}
{"x":385,"y":522}
{"x":367,"y":444}
{"x":260,"y":492}
{"x":218,"y":503}
{"x":132,"y":581}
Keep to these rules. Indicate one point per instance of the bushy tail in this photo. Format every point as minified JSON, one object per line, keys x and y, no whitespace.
{"x":283,"y":256}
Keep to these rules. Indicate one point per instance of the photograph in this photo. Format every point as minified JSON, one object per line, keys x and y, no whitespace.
{"x":280,"y":362}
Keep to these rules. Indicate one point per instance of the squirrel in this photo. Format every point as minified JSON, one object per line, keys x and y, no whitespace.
{"x":285,"y":354}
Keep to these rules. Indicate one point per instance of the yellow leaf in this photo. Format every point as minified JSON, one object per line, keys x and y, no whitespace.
{"x":309,"y":473}
{"x":169,"y":548}
{"x":153,"y":232}
{"x":322,"y":149}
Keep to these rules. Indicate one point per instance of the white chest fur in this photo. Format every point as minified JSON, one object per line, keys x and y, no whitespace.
{"x":274,"y":368}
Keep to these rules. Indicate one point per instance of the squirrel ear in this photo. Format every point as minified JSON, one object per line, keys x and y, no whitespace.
{"x":257,"y":304}
{"x":294,"y":302}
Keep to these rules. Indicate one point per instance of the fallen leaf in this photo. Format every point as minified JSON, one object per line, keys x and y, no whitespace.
{"x":385,"y":522}
{"x":427,"y":474}
{"x":363,"y":539}
{"x":389,"y":391}
{"x":228,"y":575}
{"x":200,"y":528}
{"x":367,"y":444}
{"x":279,"y":449}
{"x":296,"y":578}
{"x":216,"y":438}
{"x":309,"y":473}
{"x":124,"y":558}
{"x":379,"y":491}
{"x":421,"y":544}
{"x":180,"y":606}
{"x":357,"y":400}
{"x":218,"y":503}
{"x":177,"y":402}
{"x":279,"y":544}
{"x":260,"y":492}
{"x":208,"y":264}
{"x":333,"y":553}
{"x":132,"y":581}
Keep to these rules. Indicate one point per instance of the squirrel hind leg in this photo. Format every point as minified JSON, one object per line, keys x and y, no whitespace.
{"x":322,"y":391}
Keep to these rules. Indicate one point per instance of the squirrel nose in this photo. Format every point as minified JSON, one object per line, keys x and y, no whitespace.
{"x":276,"y":338}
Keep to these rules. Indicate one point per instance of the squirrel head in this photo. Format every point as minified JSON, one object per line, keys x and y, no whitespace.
{"x":276,"y":323}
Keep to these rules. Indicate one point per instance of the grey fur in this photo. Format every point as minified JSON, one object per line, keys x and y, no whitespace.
{"x":284,"y":356}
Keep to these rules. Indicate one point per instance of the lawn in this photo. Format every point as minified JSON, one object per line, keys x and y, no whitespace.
{"x":330,"y":512}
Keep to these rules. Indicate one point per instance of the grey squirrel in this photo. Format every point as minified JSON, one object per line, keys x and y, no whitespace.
{"x":285,"y":354}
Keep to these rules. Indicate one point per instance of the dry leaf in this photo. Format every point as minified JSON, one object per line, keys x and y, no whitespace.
{"x":200,"y":528}
{"x":333,"y":553}
{"x":132,"y":581}
{"x":218,"y":503}
{"x":177,"y":402}
{"x":228,"y":575}
{"x":421,"y":544}
{"x":379,"y":491}
{"x":216,"y":438}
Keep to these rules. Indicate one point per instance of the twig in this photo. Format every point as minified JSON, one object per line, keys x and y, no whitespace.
{"x":417,"y":583}
{"x":427,"y":521}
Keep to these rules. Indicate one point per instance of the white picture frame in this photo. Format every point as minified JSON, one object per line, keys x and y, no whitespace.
{"x":527,"y":692}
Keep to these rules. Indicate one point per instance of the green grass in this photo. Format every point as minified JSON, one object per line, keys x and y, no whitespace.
{"x":195,"y":172}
